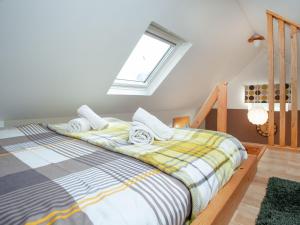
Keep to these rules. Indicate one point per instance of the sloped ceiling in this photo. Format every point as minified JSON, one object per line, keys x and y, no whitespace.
{"x":58,"y":54}
{"x":255,"y":11}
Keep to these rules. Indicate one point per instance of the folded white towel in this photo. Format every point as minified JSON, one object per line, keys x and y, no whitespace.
{"x":78,"y":125}
{"x":161,"y":131}
{"x":140,"y":134}
{"x":95,"y":120}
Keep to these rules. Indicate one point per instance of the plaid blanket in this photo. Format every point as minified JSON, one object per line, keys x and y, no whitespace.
{"x":47,"y":178}
{"x":203,"y":160}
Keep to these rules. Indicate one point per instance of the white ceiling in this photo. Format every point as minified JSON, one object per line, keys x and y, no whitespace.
{"x":255,"y":11}
{"x":58,"y":54}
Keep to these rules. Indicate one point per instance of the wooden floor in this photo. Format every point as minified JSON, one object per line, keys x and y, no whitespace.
{"x":284,"y":164}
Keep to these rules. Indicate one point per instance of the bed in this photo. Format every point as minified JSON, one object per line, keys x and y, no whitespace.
{"x":50,"y":176}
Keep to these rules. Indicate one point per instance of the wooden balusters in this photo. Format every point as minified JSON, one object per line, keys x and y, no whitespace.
{"x":282,"y":79}
{"x":294,"y":27}
{"x":294,"y":83}
{"x":271,"y":79}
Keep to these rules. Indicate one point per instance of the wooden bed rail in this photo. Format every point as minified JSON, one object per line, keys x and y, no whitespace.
{"x":219,"y":95}
{"x":294,"y":28}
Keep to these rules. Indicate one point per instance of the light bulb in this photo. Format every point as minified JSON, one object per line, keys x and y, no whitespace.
{"x":256,"y":43}
{"x":257,"y":115}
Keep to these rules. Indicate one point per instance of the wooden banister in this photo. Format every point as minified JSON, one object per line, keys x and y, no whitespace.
{"x":222,"y":108}
{"x":294,"y":29}
{"x":286,"y":20}
{"x":205,"y":109}
{"x":219,"y":95}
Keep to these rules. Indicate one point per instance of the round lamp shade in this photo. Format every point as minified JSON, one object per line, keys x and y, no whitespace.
{"x":257,"y":115}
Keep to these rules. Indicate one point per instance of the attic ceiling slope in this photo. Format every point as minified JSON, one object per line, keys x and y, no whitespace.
{"x":256,"y":11}
{"x":56,"y":55}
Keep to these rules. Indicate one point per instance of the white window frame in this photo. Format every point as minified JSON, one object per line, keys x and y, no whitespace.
{"x":178,"y":48}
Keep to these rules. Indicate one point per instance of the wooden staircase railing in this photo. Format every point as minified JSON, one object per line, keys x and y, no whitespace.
{"x":219,"y":96}
{"x":294,"y":27}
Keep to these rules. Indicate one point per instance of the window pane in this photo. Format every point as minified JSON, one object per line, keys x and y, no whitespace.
{"x":146,"y":55}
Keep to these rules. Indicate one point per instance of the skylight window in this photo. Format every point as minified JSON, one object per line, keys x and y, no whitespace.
{"x":151,"y":60}
{"x":145,"y":57}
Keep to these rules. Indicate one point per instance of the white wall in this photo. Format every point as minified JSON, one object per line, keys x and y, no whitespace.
{"x":256,"y":11}
{"x":59,"y":54}
{"x":256,"y":72}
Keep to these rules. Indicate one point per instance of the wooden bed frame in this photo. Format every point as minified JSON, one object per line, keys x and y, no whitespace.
{"x":221,"y":209}
{"x":223,"y":205}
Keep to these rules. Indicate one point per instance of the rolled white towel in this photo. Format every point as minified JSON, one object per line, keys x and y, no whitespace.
{"x":78,"y":125}
{"x":140,"y":134}
{"x":161,"y":131}
{"x":95,"y":120}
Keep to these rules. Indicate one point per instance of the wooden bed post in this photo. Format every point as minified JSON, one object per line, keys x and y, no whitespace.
{"x":218,"y":94}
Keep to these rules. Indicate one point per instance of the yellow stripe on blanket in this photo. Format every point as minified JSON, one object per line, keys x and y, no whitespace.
{"x":77,"y":207}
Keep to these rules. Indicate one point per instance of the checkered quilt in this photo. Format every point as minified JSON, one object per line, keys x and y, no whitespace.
{"x":203,"y":160}
{"x":47,"y":178}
